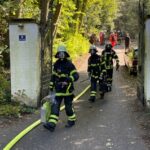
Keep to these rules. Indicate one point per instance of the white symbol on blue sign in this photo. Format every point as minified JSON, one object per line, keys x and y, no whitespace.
{"x":22,"y":37}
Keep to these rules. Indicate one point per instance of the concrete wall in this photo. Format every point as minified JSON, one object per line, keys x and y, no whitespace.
{"x":147,"y":63}
{"x":25,"y":62}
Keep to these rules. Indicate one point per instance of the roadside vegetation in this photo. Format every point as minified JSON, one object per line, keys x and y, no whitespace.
{"x":77,"y":21}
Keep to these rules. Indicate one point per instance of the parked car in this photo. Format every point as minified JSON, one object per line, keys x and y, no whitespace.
{"x":131,"y":61}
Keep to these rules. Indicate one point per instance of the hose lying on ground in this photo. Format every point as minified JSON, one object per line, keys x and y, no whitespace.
{"x":35,"y":124}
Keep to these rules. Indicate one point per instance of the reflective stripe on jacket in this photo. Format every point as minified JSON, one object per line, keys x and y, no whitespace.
{"x":96,"y":67}
{"x":63,"y":72}
{"x":108,"y":57}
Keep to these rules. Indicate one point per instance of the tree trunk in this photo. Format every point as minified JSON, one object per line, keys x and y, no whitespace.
{"x":82,"y":14}
{"x":76,"y":15}
{"x":43,"y":21}
{"x":19,"y":13}
{"x":80,"y":7}
{"x":48,"y":30}
{"x":54,"y":20}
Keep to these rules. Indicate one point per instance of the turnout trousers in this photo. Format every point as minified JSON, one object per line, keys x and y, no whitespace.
{"x":55,"y":109}
{"x":93,"y":88}
{"x":109,"y":79}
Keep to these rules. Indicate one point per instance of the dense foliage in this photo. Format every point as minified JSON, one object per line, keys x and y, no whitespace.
{"x":78,"y":19}
{"x":127,"y":20}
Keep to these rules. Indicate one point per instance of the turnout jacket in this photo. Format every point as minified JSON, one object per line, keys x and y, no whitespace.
{"x":96,"y":67}
{"x":63,"y":71}
{"x":108,"y":57}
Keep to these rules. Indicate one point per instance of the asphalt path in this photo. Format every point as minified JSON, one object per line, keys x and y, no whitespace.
{"x":108,"y":123}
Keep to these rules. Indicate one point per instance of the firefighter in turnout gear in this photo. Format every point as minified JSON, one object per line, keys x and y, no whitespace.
{"x":95,"y":72}
{"x":108,"y":54}
{"x":63,"y":76}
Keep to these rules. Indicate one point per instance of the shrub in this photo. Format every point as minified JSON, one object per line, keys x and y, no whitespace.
{"x":9,"y":110}
{"x":5,"y":94}
{"x":14,"y":109}
{"x":76,"y":45}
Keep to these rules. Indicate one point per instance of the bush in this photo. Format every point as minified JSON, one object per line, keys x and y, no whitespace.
{"x":76,"y":45}
{"x":14,"y":109}
{"x":5,"y":94}
{"x":9,"y":110}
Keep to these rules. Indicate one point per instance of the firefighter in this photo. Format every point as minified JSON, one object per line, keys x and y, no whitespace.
{"x":93,"y":39}
{"x":102,"y":38}
{"x":112,"y":39}
{"x":108,"y":54}
{"x":95,"y":72}
{"x":63,"y":76}
{"x":127,"y":42}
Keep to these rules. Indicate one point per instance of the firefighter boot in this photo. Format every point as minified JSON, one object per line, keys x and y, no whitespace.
{"x":92,"y":99}
{"x":50,"y":126}
{"x":70,"y":124}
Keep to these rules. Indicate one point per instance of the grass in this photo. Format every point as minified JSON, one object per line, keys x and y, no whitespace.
{"x":13,"y":109}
